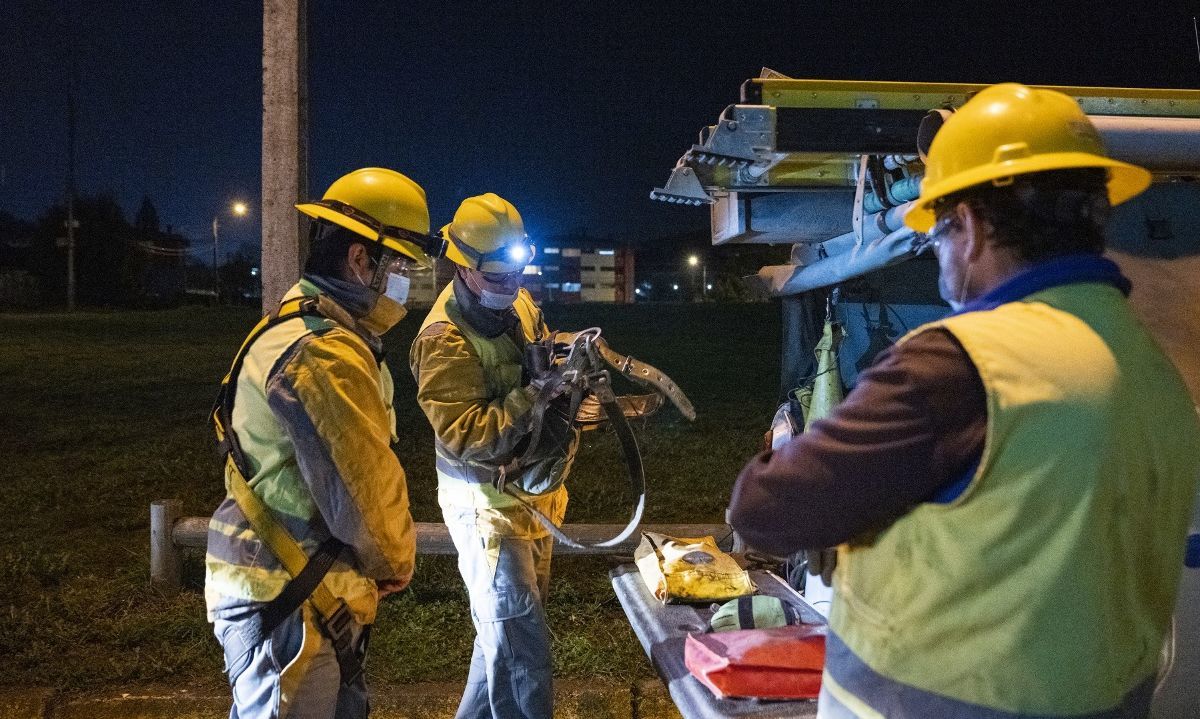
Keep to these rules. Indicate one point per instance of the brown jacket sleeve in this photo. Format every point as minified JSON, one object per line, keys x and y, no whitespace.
{"x":914,"y":423}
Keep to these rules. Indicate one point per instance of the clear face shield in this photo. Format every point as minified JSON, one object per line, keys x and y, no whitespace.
{"x":393,"y":274}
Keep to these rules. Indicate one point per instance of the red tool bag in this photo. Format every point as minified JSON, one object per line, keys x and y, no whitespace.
{"x":778,"y":663}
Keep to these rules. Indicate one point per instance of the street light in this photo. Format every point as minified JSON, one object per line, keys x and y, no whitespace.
{"x":238,"y":209}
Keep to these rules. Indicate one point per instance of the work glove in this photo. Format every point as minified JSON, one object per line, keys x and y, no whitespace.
{"x":539,"y":359}
{"x":539,"y":369}
{"x":762,"y":612}
{"x":540,"y":366}
{"x":557,"y":434}
{"x":821,"y":563}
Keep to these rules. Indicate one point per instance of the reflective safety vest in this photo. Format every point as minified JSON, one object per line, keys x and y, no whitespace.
{"x":466,"y":484}
{"x":356,"y":469}
{"x":1047,"y":586}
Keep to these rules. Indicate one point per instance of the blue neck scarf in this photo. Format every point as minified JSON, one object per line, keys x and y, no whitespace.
{"x":1054,"y":272}
{"x":353,"y":297}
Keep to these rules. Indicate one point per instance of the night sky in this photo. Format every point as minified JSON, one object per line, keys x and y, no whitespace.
{"x":571,"y":110}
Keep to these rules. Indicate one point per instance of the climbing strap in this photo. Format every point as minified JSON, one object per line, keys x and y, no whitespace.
{"x":581,"y":374}
{"x":307,"y":573}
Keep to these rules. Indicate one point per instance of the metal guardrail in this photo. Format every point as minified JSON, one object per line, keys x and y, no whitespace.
{"x":171,"y":534}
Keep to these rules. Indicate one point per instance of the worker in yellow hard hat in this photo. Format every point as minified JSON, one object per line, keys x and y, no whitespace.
{"x":1009,"y":487}
{"x":315,"y":527}
{"x":472,"y":383}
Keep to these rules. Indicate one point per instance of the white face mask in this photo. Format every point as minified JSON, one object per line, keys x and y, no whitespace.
{"x":489,"y":298}
{"x":389,"y":307}
{"x":397,"y":288}
{"x":497,"y":300}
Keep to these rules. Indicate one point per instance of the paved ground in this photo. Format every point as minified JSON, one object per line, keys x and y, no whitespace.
{"x":577,"y":699}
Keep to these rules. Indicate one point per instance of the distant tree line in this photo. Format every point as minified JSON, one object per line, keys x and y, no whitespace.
{"x":117,"y":263}
{"x":126,"y":264}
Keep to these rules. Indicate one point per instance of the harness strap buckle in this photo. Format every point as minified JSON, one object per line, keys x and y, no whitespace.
{"x":338,"y":626}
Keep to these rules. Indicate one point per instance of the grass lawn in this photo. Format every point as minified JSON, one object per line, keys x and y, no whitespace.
{"x":104,"y":413}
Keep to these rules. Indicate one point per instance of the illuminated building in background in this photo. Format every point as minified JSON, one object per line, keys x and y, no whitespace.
{"x":581,"y":268}
{"x":567,"y":268}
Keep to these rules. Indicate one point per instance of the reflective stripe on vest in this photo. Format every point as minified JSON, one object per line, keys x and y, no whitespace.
{"x":1046,"y":587}
{"x":852,"y":690}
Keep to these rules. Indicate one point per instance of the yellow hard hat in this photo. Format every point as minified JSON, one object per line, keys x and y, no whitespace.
{"x":487,"y":234}
{"x":1011,"y":129}
{"x":382,"y":206}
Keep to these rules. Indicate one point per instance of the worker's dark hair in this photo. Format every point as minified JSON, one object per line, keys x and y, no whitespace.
{"x":1042,"y":214}
{"x":328,"y":246}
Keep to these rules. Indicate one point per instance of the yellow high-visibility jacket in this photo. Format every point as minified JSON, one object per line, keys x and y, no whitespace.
{"x":469,"y":387}
{"x":313,"y":412}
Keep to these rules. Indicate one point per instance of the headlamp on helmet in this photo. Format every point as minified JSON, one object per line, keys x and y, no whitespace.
{"x":487,"y":234}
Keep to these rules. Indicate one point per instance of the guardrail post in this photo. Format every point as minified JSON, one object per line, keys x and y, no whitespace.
{"x":164,"y":556}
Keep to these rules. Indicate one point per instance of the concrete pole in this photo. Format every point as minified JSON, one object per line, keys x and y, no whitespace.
{"x":284,"y":145}
{"x":216,"y":271}
{"x":72,"y":224}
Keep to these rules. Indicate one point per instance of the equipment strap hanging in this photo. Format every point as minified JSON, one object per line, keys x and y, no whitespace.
{"x":583,"y":374}
{"x":601,"y":387}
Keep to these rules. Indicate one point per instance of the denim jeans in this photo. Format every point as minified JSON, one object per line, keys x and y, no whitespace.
{"x":293,"y":673}
{"x":507,"y":579}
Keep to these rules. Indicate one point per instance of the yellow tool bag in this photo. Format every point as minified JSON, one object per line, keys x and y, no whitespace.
{"x":680,"y":570}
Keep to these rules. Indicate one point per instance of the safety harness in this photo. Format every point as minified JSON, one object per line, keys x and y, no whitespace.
{"x":574,"y":364}
{"x":307,"y":573}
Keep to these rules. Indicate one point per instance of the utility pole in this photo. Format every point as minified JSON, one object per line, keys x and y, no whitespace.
{"x":284,"y":145}
{"x":216,"y":268}
{"x":71,"y":222}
